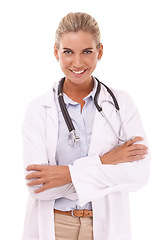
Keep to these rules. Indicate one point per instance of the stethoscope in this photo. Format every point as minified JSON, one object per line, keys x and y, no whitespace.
{"x":73,"y":138}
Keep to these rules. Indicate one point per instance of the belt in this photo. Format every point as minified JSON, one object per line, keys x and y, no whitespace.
{"x":76,"y":213}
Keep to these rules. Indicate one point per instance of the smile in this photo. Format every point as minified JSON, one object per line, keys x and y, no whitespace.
{"x":78,"y":72}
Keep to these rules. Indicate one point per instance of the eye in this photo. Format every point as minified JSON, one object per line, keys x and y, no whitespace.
{"x":67,"y":52}
{"x":87,"y":52}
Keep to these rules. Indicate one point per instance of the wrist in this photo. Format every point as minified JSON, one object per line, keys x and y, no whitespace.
{"x":102,"y":158}
{"x":107,"y":159}
{"x":68,"y":175}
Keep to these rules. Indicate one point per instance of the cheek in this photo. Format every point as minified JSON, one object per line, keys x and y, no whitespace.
{"x":92,"y":62}
{"x":64,"y":62}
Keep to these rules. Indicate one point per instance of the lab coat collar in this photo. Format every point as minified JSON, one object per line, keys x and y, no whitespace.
{"x":48,"y":98}
{"x":49,"y":101}
{"x":68,"y":101}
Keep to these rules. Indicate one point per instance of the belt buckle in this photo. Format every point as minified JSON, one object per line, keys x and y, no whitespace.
{"x":72,"y":213}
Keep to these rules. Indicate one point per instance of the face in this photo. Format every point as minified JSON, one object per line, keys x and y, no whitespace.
{"x":78,"y":56}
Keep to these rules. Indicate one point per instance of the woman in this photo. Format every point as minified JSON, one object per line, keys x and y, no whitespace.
{"x":79,"y":181}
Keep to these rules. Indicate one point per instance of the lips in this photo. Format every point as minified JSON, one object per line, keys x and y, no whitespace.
{"x":78,"y":72}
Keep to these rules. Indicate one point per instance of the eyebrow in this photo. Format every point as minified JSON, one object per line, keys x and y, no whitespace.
{"x":90,"y":48}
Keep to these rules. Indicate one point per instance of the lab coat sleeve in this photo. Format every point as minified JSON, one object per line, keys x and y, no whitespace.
{"x":35,"y":151}
{"x":95,"y":180}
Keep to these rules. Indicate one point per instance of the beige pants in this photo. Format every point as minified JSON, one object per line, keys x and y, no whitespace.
{"x":73,"y":228}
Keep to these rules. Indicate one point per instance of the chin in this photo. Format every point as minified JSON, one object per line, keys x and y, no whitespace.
{"x":78,"y":79}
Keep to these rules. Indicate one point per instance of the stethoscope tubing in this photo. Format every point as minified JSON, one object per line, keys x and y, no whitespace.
{"x":63,"y":107}
{"x":116,"y":135}
{"x":68,"y":120}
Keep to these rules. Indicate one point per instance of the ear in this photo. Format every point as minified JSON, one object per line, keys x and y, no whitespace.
{"x":100,"y":54}
{"x":56,"y":52}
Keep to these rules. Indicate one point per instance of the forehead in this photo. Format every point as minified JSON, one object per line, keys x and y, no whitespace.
{"x":78,"y":39}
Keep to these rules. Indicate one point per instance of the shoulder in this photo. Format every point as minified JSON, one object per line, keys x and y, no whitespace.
{"x":40,"y":111}
{"x":124,"y":100}
{"x":121,"y":96}
{"x":38,"y":108}
{"x":128,"y":109}
{"x":43,"y":101}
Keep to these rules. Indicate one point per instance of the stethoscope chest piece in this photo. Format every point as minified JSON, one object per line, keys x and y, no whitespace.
{"x":72,"y":138}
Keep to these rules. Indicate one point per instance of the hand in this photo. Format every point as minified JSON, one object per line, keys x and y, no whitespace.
{"x":127,"y":152}
{"x":48,"y":176}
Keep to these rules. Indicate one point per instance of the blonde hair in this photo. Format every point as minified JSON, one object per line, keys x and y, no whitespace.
{"x":73,"y":22}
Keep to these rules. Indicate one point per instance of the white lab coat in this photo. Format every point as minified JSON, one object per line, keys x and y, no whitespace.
{"x":107,"y":186}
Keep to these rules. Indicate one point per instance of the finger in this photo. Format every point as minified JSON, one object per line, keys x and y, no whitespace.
{"x":35,"y":182}
{"x":138,"y":152}
{"x":33,"y":175}
{"x":136,"y":158}
{"x":134,"y":140}
{"x":137,"y":147}
{"x":35,"y":167}
{"x":41,"y":189}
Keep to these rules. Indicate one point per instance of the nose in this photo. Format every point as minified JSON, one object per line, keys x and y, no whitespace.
{"x":78,"y":61}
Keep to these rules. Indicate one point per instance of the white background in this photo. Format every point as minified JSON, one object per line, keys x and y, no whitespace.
{"x":131,"y":37}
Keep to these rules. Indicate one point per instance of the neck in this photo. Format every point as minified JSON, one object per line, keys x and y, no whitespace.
{"x":77,"y":91}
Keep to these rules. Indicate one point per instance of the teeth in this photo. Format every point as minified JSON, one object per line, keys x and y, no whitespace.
{"x":78,"y":72}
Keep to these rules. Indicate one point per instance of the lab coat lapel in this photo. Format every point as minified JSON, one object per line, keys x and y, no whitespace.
{"x":51,"y":123}
{"x":99,"y":121}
